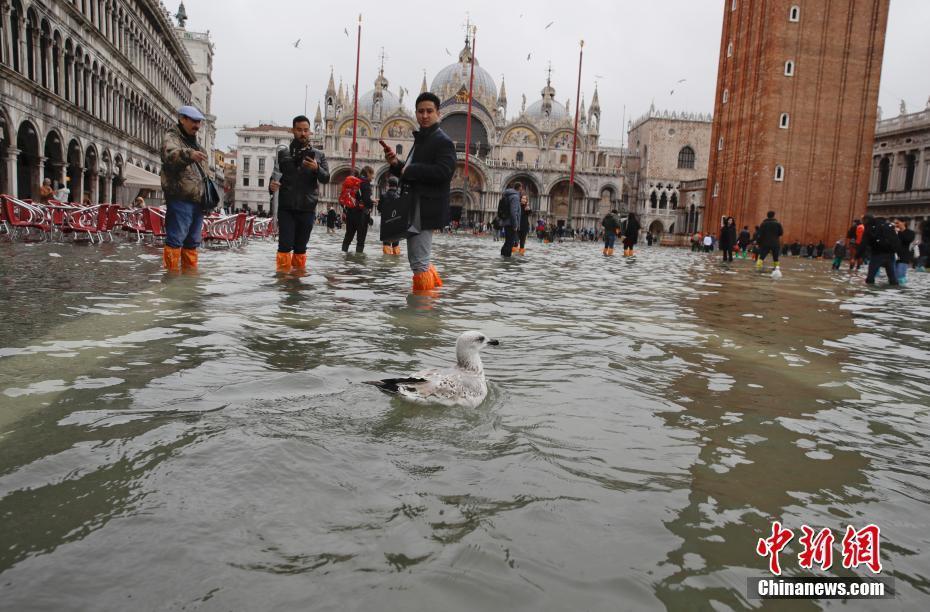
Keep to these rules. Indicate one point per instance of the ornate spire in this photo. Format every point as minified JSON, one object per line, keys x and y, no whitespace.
{"x":331,"y":88}
{"x":595,"y":104}
{"x":502,"y":96}
{"x":423,"y":87}
{"x":583,"y":117}
{"x":318,"y":119}
{"x":548,"y":93}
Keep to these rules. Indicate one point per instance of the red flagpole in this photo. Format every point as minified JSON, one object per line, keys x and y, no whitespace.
{"x":571,"y":181}
{"x":358,"y":59}
{"x":471,"y":86}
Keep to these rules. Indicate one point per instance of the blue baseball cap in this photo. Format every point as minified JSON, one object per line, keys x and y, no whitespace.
{"x":191,"y":113}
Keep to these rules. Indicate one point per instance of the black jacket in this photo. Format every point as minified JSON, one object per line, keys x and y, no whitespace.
{"x":631,"y":229}
{"x":727,"y":238}
{"x":428,"y":175}
{"x":770,"y":232}
{"x":388,"y":196}
{"x":744,"y":238}
{"x":906,"y":238}
{"x":299,"y":186}
{"x":524,"y":219}
{"x":881,"y":238}
{"x":611,"y":223}
{"x":364,"y":195}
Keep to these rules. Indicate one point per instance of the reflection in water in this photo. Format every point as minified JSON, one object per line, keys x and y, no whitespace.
{"x":206,"y":438}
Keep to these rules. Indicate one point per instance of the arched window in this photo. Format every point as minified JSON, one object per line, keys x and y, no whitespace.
{"x":686,"y":158}
{"x":674,"y":201}
{"x":654,"y":200}
{"x":726,"y":96}
{"x":399,"y":149}
{"x":716,"y":189}
{"x":663,"y":201}
{"x":779,"y":173}
{"x":720,"y":144}
{"x":784,"y":121}
{"x":730,"y":50}
{"x":789,"y":68}
{"x":519,"y":156}
{"x":794,"y":14}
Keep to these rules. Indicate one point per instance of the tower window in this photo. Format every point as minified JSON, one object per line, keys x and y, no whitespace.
{"x":730,"y":50}
{"x":783,"y":122}
{"x":726,"y":96}
{"x":399,"y":149}
{"x":720,"y":144}
{"x":779,"y":173}
{"x":794,"y":14}
{"x":789,"y":68}
{"x":733,"y":5}
{"x":716,"y":189}
{"x":686,"y":158}
{"x":519,"y":156}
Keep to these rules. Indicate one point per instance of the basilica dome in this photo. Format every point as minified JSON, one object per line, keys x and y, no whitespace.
{"x":535,"y":111}
{"x":451,"y":79}
{"x":366,"y":103}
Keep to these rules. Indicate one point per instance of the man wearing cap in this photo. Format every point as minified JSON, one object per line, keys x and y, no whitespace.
{"x":182,"y":183}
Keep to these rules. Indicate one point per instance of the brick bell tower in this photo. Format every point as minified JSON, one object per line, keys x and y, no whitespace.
{"x":794,"y":117}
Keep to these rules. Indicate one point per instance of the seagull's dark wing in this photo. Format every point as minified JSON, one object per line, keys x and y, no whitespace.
{"x":392,"y":385}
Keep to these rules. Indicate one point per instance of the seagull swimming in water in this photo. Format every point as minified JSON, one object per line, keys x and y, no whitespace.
{"x":463,"y":385}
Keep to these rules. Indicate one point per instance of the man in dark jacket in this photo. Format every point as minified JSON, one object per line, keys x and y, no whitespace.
{"x":390,"y":248}
{"x":302,"y":169}
{"x":357,"y":217}
{"x":882,"y":241}
{"x":743,"y":241}
{"x":611,"y":224}
{"x":524,"y":222}
{"x":512,"y":223}
{"x":426,"y":174}
{"x":770,"y":233}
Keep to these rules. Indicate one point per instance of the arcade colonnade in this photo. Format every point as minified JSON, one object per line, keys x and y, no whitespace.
{"x":88,"y":87}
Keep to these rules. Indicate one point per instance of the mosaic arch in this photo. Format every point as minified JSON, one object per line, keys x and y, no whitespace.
{"x":397,"y":128}
{"x":563,"y":140}
{"x":521,"y":136}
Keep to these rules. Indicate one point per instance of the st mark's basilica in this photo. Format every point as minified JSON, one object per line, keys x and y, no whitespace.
{"x":533,"y":147}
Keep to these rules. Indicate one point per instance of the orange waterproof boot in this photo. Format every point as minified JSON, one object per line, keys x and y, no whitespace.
{"x":386,"y":249}
{"x":283,"y":262}
{"x":172,"y":258}
{"x":437,"y":282}
{"x":397,"y":250}
{"x":522,"y":251}
{"x":604,"y":251}
{"x":423,"y":281}
{"x":189,"y":259}
{"x":610,"y":252}
{"x":514,"y":250}
{"x":299,"y":262}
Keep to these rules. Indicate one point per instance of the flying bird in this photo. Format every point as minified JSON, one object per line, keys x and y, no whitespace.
{"x":297,"y":44}
{"x":447,"y":51}
{"x":547,"y":27}
{"x":463,"y":385}
{"x":528,"y":56}
{"x":598,"y":76}
{"x":671,"y":93}
{"x":682,"y":80}
{"x":346,"y":30}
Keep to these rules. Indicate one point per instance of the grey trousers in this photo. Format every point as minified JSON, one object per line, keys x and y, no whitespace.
{"x":418,"y":251}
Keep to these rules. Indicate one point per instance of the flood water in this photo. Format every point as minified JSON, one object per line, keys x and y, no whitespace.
{"x":205,"y":442}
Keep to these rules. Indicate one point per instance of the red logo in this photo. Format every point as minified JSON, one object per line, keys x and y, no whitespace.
{"x":861,"y":548}
{"x":770,"y":547}
{"x":817,"y":548}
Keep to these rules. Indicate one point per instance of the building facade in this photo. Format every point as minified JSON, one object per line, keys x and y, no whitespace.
{"x":667,"y":150}
{"x":901,"y":167}
{"x":255,"y":158}
{"x":200,"y":50}
{"x":534,"y":146}
{"x":794,"y":117}
{"x":87,"y":90}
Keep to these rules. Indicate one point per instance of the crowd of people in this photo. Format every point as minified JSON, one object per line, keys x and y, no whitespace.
{"x":877,"y":242}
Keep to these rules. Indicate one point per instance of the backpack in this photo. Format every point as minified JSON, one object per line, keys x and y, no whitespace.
{"x":503,"y":208}
{"x":348,"y":197}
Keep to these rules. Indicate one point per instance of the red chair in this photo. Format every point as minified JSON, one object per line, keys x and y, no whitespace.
{"x":22,"y":216}
{"x":132,"y":220}
{"x":85,"y":221}
{"x":154,"y":220}
{"x":225,"y":229}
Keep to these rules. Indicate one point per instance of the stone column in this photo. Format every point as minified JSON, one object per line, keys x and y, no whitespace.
{"x":6,"y":52}
{"x":41,"y":161}
{"x":23,"y":60}
{"x":107,"y":195}
{"x":59,"y":169}
{"x":12,"y":154}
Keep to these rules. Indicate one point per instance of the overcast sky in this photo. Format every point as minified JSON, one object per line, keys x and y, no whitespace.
{"x":637,"y":51}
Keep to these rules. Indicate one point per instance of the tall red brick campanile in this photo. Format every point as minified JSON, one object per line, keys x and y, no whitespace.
{"x":794,"y":118}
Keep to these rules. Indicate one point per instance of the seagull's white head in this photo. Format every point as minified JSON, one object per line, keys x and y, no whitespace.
{"x":467,"y":349}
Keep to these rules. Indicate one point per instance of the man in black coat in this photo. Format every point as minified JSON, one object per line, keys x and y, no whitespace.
{"x":427,"y":174}
{"x":882,"y":240}
{"x":302,"y":169}
{"x":770,"y":233}
{"x":512,"y":223}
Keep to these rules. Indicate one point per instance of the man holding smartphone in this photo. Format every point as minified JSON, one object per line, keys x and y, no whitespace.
{"x":427,"y":173}
{"x":302,"y":169}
